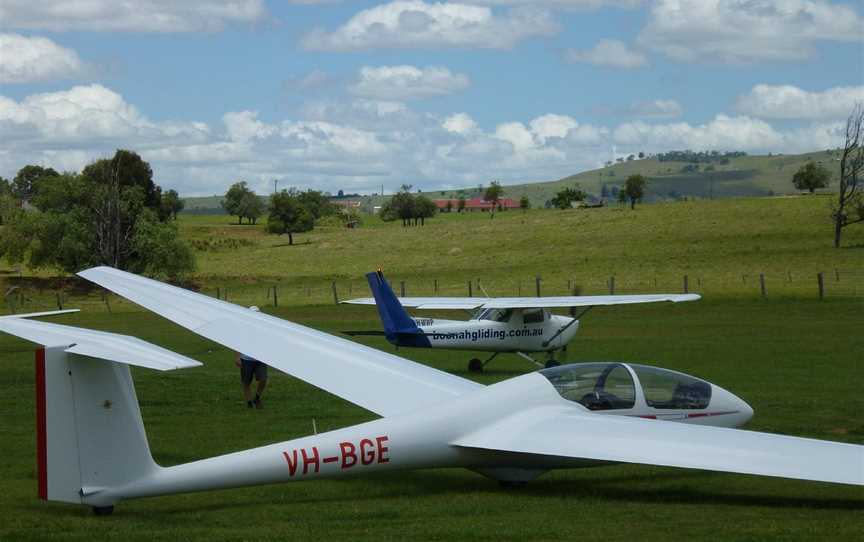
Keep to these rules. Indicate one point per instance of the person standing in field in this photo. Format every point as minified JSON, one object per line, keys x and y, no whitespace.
{"x":250,"y":367}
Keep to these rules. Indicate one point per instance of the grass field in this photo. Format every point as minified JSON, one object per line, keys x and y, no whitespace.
{"x":797,"y":362}
{"x":722,"y":246}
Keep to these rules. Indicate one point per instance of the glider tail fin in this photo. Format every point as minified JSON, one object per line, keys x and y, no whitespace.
{"x":395,"y":319}
{"x":89,"y":431}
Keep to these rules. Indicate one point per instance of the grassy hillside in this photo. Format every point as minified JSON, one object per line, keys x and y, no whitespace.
{"x":742,"y":176}
{"x":722,"y":246}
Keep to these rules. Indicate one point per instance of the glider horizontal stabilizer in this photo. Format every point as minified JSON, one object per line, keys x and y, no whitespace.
{"x":631,"y":440}
{"x":97,"y":344}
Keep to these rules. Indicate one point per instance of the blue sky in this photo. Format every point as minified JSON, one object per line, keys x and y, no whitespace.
{"x":350,"y":95}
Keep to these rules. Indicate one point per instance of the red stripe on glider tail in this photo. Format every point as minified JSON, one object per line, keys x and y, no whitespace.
{"x":41,"y":436}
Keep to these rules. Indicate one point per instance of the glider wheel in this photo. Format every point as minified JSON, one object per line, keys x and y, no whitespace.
{"x":552,"y":363}
{"x":475,"y":366}
{"x":103,"y":510}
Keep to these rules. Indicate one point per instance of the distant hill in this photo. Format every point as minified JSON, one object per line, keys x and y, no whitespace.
{"x":757,"y":175}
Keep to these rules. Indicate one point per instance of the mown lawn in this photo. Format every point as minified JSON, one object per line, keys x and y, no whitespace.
{"x":798,"y":362}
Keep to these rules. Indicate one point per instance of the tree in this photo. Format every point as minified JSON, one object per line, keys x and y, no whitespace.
{"x":565,"y":198}
{"x":317,"y":203}
{"x":849,"y":197}
{"x":79,"y":222}
{"x":460,"y":205}
{"x":170,"y":205}
{"x":128,"y":169}
{"x":811,"y":176}
{"x":424,"y":208}
{"x":26,"y":180}
{"x":524,"y":203}
{"x":5,"y":187}
{"x":233,"y":202}
{"x":251,"y":207}
{"x":288,"y":215}
{"x":404,"y":205}
{"x":634,"y":188}
{"x":449,"y":205}
{"x":493,"y":195}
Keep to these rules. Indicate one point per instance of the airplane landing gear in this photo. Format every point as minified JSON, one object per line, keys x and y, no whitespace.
{"x":552,"y":363}
{"x":476,"y":366}
{"x":103,"y":510}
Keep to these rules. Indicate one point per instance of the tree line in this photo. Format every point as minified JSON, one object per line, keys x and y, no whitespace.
{"x":111,"y":213}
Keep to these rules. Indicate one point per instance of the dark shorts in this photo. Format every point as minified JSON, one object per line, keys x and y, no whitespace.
{"x":250,"y":368}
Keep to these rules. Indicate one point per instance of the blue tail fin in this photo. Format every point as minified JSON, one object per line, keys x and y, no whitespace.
{"x":395,"y":319}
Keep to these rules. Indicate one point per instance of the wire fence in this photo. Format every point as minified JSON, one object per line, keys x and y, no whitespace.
{"x":22,"y":295}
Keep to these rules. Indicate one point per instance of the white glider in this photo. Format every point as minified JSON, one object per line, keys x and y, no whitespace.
{"x":92,"y":448}
{"x":517,"y":325}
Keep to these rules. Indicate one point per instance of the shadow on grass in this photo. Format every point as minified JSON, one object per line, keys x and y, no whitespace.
{"x":620,"y":488}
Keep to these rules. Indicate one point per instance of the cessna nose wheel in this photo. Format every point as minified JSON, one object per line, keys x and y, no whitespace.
{"x":552,"y":363}
{"x":475,"y":365}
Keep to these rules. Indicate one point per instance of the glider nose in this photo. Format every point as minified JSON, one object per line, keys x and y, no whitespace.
{"x":736,"y":412}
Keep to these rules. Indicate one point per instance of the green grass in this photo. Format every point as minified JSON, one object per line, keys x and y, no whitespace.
{"x":797,"y":362}
{"x":723,"y":247}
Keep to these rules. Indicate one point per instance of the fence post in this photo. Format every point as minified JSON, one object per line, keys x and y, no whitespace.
{"x":569,"y":288}
{"x":821,"y":280}
{"x":105,"y":300}
{"x":686,"y":284}
{"x":402,"y":289}
{"x":537,"y":280}
{"x":335,"y":294}
{"x":470,"y":289}
{"x":218,"y":293}
{"x":435,"y":286}
{"x":225,"y":294}
{"x":762,"y":283}
{"x":836,"y":274}
{"x":612,"y":285}
{"x":275,"y":297}
{"x":59,"y":302}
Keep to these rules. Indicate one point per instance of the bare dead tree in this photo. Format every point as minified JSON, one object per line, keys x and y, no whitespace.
{"x":850,"y":198}
{"x":114,"y":229}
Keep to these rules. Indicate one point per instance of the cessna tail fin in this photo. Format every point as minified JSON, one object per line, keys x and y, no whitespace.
{"x":399,"y":328}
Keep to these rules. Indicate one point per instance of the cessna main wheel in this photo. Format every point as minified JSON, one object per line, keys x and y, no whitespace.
{"x":475,"y":366}
{"x":552,"y":363}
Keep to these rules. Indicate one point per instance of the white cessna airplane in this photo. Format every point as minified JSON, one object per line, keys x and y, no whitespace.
{"x":517,"y":325}
{"x":92,"y":448}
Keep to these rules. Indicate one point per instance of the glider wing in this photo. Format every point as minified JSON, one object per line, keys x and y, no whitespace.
{"x":377,"y":381}
{"x":568,"y":432}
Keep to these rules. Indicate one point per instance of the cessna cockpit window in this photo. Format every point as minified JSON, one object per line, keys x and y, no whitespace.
{"x":670,"y":390}
{"x":496,"y":315}
{"x":596,"y":386}
{"x":533,"y":316}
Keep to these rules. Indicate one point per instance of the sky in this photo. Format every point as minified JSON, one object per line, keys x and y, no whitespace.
{"x":357,"y":95}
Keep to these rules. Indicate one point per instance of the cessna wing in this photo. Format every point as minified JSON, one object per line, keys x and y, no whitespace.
{"x":631,"y":440}
{"x":469,"y":303}
{"x":377,"y":381}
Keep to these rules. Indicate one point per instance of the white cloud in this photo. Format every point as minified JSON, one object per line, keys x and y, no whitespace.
{"x":551,"y":125}
{"x":33,"y":59}
{"x":738,"y":31}
{"x":113,"y":15}
{"x":655,"y":109}
{"x":407,"y":82}
{"x":609,"y":53}
{"x":573,"y":4}
{"x":414,"y":23}
{"x":790,"y":102}
{"x":355,"y":145}
{"x":460,"y":123}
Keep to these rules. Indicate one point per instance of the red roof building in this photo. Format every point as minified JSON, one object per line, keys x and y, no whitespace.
{"x":476,"y":204}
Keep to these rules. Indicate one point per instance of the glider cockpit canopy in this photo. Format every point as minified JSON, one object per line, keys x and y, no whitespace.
{"x":613,"y":386}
